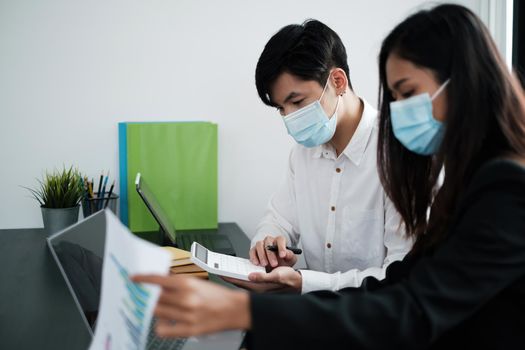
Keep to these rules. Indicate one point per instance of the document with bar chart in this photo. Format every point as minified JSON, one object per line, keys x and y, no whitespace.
{"x":126,"y":308}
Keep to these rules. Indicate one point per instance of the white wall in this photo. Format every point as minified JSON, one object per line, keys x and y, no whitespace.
{"x":71,"y":70}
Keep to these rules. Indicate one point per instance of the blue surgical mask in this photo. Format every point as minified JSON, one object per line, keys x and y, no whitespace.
{"x":310,"y":126}
{"x":414,"y":124}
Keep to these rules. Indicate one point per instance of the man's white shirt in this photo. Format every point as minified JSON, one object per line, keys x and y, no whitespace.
{"x":337,"y":208}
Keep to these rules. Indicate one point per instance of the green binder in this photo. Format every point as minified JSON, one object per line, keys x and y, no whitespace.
{"x":179,"y":162}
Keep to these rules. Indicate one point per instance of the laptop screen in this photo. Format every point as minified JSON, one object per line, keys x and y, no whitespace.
{"x":154,"y":207}
{"x":79,"y":252}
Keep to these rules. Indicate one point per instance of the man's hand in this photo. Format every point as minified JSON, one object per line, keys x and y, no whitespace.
{"x":280,"y":279}
{"x":261,"y":256}
{"x":189,"y":306}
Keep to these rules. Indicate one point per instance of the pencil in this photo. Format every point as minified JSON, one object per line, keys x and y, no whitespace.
{"x":90,"y":195}
{"x":109,"y":194}
{"x":100,"y":203}
{"x":100,"y":182}
{"x":90,"y":188}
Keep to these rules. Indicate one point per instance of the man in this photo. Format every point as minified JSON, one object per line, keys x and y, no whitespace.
{"x":332,"y":199}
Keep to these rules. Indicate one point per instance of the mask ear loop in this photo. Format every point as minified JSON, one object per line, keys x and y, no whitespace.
{"x":441,"y":88}
{"x":337,"y":104}
{"x":324,"y":90}
{"x":325,"y":86}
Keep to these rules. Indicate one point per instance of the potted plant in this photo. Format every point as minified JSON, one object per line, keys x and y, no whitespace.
{"x":59,"y":195}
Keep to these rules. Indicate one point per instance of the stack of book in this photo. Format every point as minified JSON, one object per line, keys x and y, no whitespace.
{"x":181,"y":263}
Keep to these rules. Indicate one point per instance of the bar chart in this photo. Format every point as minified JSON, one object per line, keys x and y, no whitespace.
{"x":132,"y":307}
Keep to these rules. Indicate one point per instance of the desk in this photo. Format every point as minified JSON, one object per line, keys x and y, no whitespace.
{"x":36,"y":308}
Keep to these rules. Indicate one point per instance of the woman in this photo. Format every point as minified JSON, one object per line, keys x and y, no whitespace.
{"x":447,"y":100}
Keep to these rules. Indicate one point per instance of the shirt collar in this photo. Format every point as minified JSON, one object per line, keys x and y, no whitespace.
{"x":356,"y":148}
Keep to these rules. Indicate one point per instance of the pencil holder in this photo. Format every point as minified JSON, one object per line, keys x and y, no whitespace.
{"x":92,"y":205}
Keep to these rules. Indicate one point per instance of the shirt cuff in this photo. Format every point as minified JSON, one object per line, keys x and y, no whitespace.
{"x":316,"y":280}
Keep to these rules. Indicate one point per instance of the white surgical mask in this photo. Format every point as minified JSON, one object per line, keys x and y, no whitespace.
{"x":414,"y":124}
{"x":310,"y":126}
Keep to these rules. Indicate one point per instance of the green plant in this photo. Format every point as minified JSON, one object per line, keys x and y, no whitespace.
{"x":59,"y":189}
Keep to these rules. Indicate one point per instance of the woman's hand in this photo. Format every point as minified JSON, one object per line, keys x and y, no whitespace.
{"x":280,"y":279}
{"x":261,"y":256}
{"x":189,"y":306}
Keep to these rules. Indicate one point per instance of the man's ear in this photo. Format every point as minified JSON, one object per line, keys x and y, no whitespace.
{"x":339,"y":80}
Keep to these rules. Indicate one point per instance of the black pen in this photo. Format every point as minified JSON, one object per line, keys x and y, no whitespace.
{"x":273,"y":248}
{"x":109,"y":194}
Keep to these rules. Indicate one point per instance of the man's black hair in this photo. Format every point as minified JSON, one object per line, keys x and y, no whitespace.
{"x":308,"y":51}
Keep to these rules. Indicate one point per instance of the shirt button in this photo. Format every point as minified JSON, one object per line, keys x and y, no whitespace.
{"x":328,"y":245}
{"x":338,"y":170}
{"x":332,"y":208}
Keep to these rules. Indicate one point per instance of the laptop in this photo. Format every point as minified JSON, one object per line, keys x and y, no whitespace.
{"x":180,"y":239}
{"x":78,"y":251}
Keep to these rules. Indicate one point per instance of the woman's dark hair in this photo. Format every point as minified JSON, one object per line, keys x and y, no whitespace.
{"x":485,"y":116}
{"x":307,"y":50}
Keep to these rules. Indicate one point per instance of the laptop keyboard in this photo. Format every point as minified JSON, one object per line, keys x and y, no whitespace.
{"x":155,"y":342}
{"x":209,"y":241}
{"x":187,"y":240}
